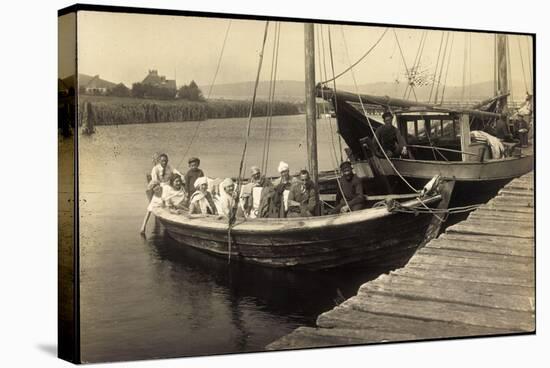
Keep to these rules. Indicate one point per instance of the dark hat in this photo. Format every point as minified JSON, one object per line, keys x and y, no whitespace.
{"x":345,"y":164}
{"x":193,"y":159}
{"x":387,"y":113}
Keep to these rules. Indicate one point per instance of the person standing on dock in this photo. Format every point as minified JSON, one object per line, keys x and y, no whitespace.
{"x":350,"y":196}
{"x":390,"y":138}
{"x":302,"y":201}
{"x":192,"y":175}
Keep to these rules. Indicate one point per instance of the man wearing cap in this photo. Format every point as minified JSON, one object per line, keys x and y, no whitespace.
{"x":390,"y":138}
{"x":257,"y":180}
{"x":350,"y":196}
{"x":192,"y":174}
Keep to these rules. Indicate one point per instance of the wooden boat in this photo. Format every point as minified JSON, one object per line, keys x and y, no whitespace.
{"x":375,"y":236}
{"x":438,"y":142}
{"x":370,"y":237}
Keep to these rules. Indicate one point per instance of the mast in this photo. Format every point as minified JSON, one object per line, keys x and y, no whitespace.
{"x":502,"y":71}
{"x":311,"y":128}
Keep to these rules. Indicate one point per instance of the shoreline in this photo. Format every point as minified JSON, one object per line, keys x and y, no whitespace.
{"x":102,"y":110}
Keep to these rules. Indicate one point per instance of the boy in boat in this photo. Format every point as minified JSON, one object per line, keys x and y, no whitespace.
{"x":350,"y":196}
{"x":192,"y":174}
{"x":162,"y":171}
{"x":302,"y":199}
{"x":156,"y":202}
{"x":390,"y":138}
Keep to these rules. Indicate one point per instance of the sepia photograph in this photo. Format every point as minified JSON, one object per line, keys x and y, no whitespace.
{"x":230,"y":183}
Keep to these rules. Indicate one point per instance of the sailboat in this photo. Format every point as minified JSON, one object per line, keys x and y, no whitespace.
{"x":438,"y":140}
{"x":386,"y":234}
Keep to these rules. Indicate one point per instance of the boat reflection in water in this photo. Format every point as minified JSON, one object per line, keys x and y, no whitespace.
{"x":260,"y":303}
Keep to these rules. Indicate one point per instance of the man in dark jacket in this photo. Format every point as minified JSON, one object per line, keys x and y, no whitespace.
{"x":390,"y":138}
{"x":302,"y":199}
{"x":350,"y":196}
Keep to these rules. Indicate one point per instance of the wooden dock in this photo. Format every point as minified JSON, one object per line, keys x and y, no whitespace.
{"x":478,"y":278}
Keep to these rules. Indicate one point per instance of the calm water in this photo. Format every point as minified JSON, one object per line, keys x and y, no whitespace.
{"x":150,"y":298}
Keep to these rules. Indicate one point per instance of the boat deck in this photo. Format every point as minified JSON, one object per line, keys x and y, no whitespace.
{"x":478,"y":278}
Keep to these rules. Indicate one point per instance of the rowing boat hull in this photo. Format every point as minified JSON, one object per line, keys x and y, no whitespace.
{"x":372,"y":237}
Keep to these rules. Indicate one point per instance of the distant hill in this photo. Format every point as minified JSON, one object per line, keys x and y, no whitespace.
{"x":289,"y":90}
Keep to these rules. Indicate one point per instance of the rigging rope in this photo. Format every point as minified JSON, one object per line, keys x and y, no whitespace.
{"x":196,"y":131}
{"x":334,"y":84}
{"x":271,"y":97}
{"x":369,"y":122}
{"x":436,"y":65}
{"x":404,"y":63}
{"x":529,"y":63}
{"x":509,"y":70}
{"x":323,"y":73}
{"x":464,"y":67}
{"x":232,"y":216}
{"x":416,"y":62}
{"x":447,"y":71}
{"x":495,"y":68}
{"x":522,"y":67}
{"x":441,"y":68}
{"x":359,"y":60}
{"x":470,"y":69}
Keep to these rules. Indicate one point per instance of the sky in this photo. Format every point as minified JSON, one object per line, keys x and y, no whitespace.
{"x":122,"y":47}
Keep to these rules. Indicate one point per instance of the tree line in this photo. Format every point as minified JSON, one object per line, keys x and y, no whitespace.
{"x":189,"y":92}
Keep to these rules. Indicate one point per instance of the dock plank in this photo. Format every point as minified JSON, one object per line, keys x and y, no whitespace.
{"x":476,"y":279}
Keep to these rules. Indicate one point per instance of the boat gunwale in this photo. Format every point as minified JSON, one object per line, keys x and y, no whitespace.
{"x":283,"y":225}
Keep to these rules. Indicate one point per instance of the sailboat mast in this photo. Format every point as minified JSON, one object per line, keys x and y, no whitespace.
{"x":311,"y":127}
{"x":502,"y":71}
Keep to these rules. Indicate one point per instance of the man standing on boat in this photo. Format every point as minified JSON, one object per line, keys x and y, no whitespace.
{"x":390,"y":138}
{"x":350,"y":196}
{"x":302,"y":201}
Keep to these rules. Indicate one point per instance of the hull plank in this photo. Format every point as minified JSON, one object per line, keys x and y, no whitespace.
{"x":373,"y":237}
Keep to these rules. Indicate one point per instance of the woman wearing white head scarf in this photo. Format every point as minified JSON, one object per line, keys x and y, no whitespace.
{"x":227,"y":197}
{"x":201,"y":201}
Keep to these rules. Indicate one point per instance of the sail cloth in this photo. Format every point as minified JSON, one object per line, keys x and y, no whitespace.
{"x":497,"y":148}
{"x":352,"y":126}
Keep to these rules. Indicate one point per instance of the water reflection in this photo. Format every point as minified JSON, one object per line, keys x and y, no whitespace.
{"x":297,"y":296}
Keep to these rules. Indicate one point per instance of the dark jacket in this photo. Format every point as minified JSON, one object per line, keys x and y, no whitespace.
{"x":305,"y":196}
{"x":353,"y":193}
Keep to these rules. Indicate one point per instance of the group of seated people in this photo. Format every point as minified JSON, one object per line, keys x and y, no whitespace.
{"x":259,"y":197}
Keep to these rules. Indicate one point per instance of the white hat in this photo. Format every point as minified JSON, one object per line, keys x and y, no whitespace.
{"x":254,"y":169}
{"x":226,"y":182}
{"x":283,"y":166}
{"x":200,"y":181}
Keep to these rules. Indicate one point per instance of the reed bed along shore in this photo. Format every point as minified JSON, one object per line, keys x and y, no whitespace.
{"x":102,"y":110}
